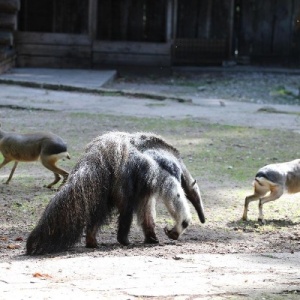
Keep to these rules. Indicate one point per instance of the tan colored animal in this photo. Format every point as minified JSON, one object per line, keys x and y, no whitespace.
{"x":270,"y":183}
{"x":47,"y":147}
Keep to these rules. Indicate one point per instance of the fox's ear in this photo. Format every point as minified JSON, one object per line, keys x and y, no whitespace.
{"x":194,"y":182}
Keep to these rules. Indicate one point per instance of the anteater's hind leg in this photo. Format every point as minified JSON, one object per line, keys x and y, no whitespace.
{"x":91,"y":231}
{"x":49,"y":162}
{"x":125,"y":220}
{"x":276,"y":192}
{"x":146,"y":218}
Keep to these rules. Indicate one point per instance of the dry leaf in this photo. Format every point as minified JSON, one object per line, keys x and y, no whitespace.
{"x":13,"y":246}
{"x":40,"y":275}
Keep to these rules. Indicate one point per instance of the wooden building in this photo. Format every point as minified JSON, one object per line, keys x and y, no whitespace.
{"x":97,"y":33}
{"x":8,"y":25}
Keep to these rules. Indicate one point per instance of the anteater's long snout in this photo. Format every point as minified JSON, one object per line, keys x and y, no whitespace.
{"x":199,"y":207}
{"x":200,"y":210}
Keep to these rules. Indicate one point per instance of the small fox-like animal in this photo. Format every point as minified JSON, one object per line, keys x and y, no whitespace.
{"x":270,"y":183}
{"x":46,"y":146}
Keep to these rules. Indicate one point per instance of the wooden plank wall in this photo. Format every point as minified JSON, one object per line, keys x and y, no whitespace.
{"x":94,"y":33}
{"x":207,"y":38}
{"x":118,"y":36}
{"x":206,"y":19}
{"x":78,"y":51}
{"x":53,"y":50}
{"x":131,"y":53}
{"x":56,"y":16}
{"x":132,"y":20}
{"x":267,"y":30}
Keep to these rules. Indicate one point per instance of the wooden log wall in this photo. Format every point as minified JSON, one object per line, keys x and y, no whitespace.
{"x":8,"y":23}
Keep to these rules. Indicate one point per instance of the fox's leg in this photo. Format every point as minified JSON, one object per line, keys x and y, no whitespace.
{"x":249,"y":199}
{"x":56,"y":180}
{"x":4,"y":163}
{"x":276,"y":192}
{"x":49,"y":162}
{"x":260,"y":190}
{"x":11,"y":173}
{"x":146,"y":218}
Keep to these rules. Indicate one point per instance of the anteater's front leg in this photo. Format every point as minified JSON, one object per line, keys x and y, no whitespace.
{"x":177,"y":205}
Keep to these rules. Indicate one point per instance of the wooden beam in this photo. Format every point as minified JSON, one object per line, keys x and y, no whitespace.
{"x":169,"y":20}
{"x":92,"y":19}
{"x":230,"y":29}
{"x":51,"y":38}
{"x":175,"y":14}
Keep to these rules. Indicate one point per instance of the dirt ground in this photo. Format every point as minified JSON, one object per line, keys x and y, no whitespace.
{"x":275,"y":93}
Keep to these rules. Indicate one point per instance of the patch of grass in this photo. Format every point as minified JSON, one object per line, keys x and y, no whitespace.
{"x":211,"y":150}
{"x":156,"y":104}
{"x":279,"y":91}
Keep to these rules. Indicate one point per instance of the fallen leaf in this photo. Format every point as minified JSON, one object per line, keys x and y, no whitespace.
{"x":13,"y":246}
{"x":40,"y":275}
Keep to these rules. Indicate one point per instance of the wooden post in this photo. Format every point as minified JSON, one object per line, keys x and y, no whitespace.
{"x":174,"y":23}
{"x":230,"y":29}
{"x":169,"y":20}
{"x":92,"y":27}
{"x":92,"y":19}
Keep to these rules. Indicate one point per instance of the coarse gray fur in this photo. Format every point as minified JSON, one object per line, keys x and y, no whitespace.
{"x":123,"y":172}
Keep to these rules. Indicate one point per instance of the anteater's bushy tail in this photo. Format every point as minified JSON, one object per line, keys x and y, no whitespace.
{"x":71,"y":209}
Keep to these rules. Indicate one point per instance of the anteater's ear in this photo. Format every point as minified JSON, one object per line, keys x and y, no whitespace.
{"x":194,"y":182}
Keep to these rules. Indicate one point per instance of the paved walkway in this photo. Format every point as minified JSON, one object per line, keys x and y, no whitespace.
{"x":84,"y":90}
{"x":64,"y":78}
